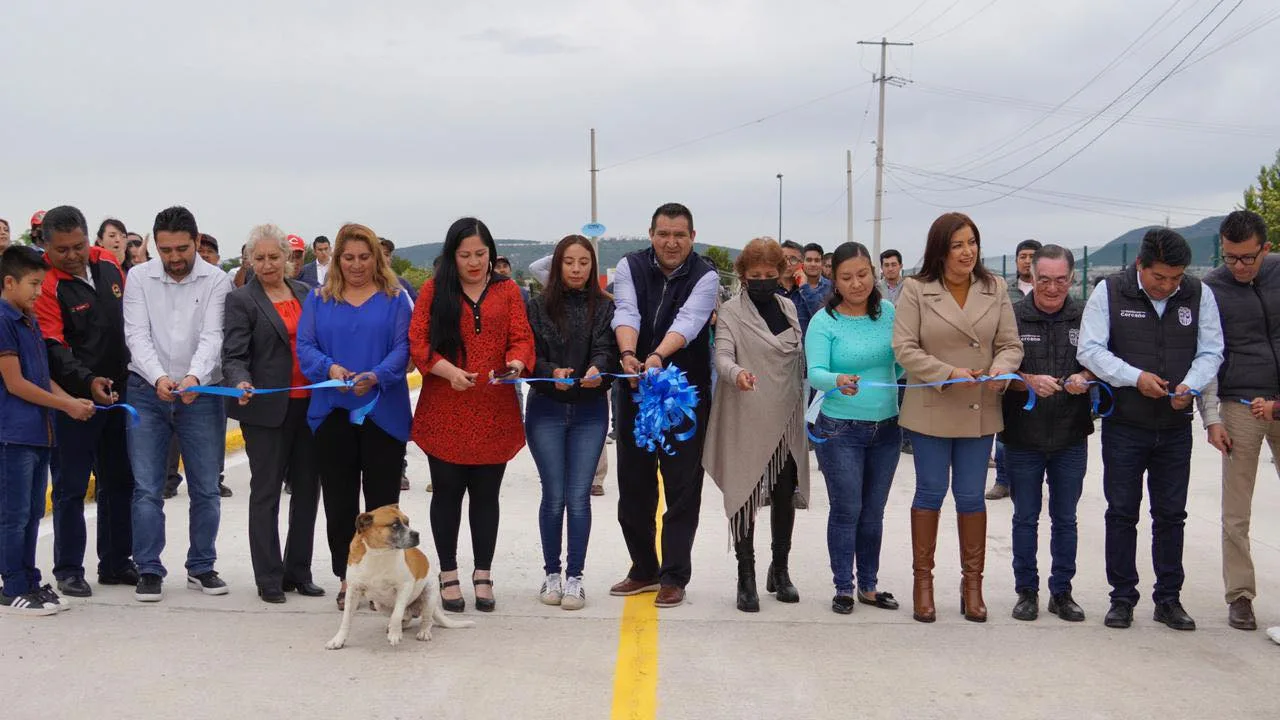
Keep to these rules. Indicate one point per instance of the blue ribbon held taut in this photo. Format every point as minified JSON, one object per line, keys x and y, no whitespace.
{"x":358,"y":415}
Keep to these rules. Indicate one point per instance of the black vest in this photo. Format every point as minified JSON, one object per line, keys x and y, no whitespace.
{"x":1049,"y":348}
{"x":659,"y":297}
{"x":1165,"y":346}
{"x":1251,"y":327}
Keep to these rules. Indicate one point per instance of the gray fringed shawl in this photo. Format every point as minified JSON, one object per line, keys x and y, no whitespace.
{"x":750,"y":434}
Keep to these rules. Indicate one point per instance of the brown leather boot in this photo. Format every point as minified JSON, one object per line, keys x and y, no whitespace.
{"x":973,"y":556}
{"x":924,"y":540}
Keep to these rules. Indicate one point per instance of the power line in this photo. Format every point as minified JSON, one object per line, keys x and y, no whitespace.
{"x":1132,"y":107}
{"x":905,"y":18}
{"x":1122,"y":95}
{"x":740,"y":126}
{"x":969,"y":165}
{"x":936,"y":18}
{"x":958,"y":25}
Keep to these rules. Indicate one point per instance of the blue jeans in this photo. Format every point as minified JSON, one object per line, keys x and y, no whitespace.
{"x":566,"y":440}
{"x":1027,"y":471}
{"x":199,"y":430}
{"x":24,"y":475}
{"x":1164,"y":457}
{"x":858,"y":461}
{"x":960,"y":463}
{"x":1002,"y":476}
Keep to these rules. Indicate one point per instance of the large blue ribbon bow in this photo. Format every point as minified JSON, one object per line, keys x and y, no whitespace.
{"x":666,"y":402}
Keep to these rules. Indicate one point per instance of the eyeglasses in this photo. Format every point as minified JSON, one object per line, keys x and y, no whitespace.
{"x":1061,"y":282}
{"x":1245,"y":260}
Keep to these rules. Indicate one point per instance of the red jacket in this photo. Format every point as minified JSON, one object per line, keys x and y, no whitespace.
{"x":83,"y":325}
{"x":479,"y":426}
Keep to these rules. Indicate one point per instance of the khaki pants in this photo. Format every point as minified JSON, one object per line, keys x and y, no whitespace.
{"x":1239,"y":472}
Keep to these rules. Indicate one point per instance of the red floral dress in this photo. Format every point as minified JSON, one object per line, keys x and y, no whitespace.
{"x":479,"y":426}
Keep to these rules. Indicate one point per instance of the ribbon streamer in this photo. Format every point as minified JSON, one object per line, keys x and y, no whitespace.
{"x":358,"y":415}
{"x":811,"y":415}
{"x":665,"y":401}
{"x":133,"y":412}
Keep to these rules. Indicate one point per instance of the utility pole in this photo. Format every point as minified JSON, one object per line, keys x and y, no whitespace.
{"x":848,"y":194}
{"x":882,"y":78}
{"x":779,"y":207}
{"x":594,"y":173}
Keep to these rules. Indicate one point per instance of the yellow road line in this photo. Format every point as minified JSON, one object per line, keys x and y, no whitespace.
{"x":635,"y":676}
{"x":235,"y":442}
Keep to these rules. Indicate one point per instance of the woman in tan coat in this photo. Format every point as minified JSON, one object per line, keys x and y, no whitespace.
{"x":954,"y":321}
{"x":755,"y":449}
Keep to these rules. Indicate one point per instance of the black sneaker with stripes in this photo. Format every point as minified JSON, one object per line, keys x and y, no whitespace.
{"x":29,"y":604}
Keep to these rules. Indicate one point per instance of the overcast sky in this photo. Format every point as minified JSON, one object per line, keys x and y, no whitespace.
{"x":406,"y":115}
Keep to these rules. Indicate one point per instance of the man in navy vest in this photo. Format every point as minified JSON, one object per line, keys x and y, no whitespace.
{"x":1152,"y":332}
{"x":1247,"y":289}
{"x":665,"y":296}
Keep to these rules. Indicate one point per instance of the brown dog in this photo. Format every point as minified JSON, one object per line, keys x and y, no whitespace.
{"x":386,"y":567}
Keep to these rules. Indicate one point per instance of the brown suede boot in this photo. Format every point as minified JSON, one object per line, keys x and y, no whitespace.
{"x":973,"y":556}
{"x":924,"y":540}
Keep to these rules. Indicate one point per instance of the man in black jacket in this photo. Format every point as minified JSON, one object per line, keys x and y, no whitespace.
{"x":1247,"y":288}
{"x":664,"y":296}
{"x":81,"y":314}
{"x":1051,"y":438}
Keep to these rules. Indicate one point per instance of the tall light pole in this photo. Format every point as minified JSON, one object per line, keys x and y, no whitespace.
{"x":882,"y":79}
{"x":779,"y":207}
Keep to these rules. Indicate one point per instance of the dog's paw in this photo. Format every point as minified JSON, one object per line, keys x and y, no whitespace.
{"x":394,"y":635}
{"x":336,"y":643}
{"x":424,"y":634}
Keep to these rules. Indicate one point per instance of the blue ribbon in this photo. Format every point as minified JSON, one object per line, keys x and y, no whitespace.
{"x":561,"y":381}
{"x":1031,"y":397}
{"x":665,"y":401}
{"x":133,"y":412}
{"x":358,"y":415}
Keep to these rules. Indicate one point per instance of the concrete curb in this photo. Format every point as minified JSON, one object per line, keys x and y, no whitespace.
{"x":235,"y":443}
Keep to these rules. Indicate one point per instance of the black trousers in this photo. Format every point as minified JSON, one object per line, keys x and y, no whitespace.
{"x":277,"y":455}
{"x":354,"y":457}
{"x":98,"y":446}
{"x":638,"y":496}
{"x":481,"y":483}
{"x":782,"y":513}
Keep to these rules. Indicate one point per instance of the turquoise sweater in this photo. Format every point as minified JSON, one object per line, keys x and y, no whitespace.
{"x":844,"y":345}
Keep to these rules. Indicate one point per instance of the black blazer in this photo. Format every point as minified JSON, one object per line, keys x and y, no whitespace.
{"x":255,"y":348}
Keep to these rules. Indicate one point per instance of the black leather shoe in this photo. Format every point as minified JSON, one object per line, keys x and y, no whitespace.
{"x":778,"y":581}
{"x":1172,"y":614}
{"x":1120,"y":615}
{"x":456,"y":606}
{"x":308,"y":589}
{"x":1240,"y":614}
{"x":483,"y":604}
{"x":842,"y":604}
{"x":75,"y":587}
{"x":1028,"y":607}
{"x":748,"y":598}
{"x":1064,"y":607}
{"x":271,"y":595}
{"x":127,"y":576}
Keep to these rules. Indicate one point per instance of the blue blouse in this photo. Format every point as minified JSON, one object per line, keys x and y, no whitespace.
{"x":372,"y":337}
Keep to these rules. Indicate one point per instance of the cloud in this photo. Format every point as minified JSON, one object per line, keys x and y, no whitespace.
{"x":520,"y":44}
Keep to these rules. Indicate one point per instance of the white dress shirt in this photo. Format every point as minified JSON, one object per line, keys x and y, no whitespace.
{"x":322,"y":272}
{"x":1095,"y":335}
{"x":174,"y":327}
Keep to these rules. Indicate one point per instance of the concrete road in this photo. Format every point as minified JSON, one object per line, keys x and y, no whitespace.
{"x":194,"y":657}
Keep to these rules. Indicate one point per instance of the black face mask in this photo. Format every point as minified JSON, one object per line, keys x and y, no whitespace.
{"x":761,"y":290}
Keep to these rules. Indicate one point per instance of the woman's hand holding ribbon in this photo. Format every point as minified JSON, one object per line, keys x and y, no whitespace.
{"x":337,"y":372}
{"x":848,"y":384}
{"x":364,"y":383}
{"x":563,"y":374}
{"x":592,"y":379}
{"x":745,"y":381}
{"x":460,"y":379}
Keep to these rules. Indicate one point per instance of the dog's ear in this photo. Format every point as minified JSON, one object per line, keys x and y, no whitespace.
{"x":364,"y":521}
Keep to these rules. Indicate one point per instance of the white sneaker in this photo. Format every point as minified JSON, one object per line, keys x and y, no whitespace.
{"x":1274,"y":634}
{"x":551,"y":591}
{"x":574,"y":596}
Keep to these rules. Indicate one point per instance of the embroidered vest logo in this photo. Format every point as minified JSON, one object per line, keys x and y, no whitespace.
{"x":1184,"y":315}
{"x":1135,"y":314}
{"x":1073,"y":337}
{"x":1029,"y":338}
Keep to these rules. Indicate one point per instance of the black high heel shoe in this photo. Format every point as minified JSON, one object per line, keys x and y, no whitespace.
{"x":456,"y":606}
{"x":483,"y":604}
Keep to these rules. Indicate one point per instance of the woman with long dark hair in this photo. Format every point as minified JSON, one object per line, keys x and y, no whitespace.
{"x":566,"y":424}
{"x":755,"y":448}
{"x":356,"y":327}
{"x":954,"y":322}
{"x":469,"y":326}
{"x":113,"y":236}
{"x":850,"y":341}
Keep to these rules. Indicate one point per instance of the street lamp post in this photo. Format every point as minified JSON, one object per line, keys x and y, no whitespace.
{"x":779,"y":207}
